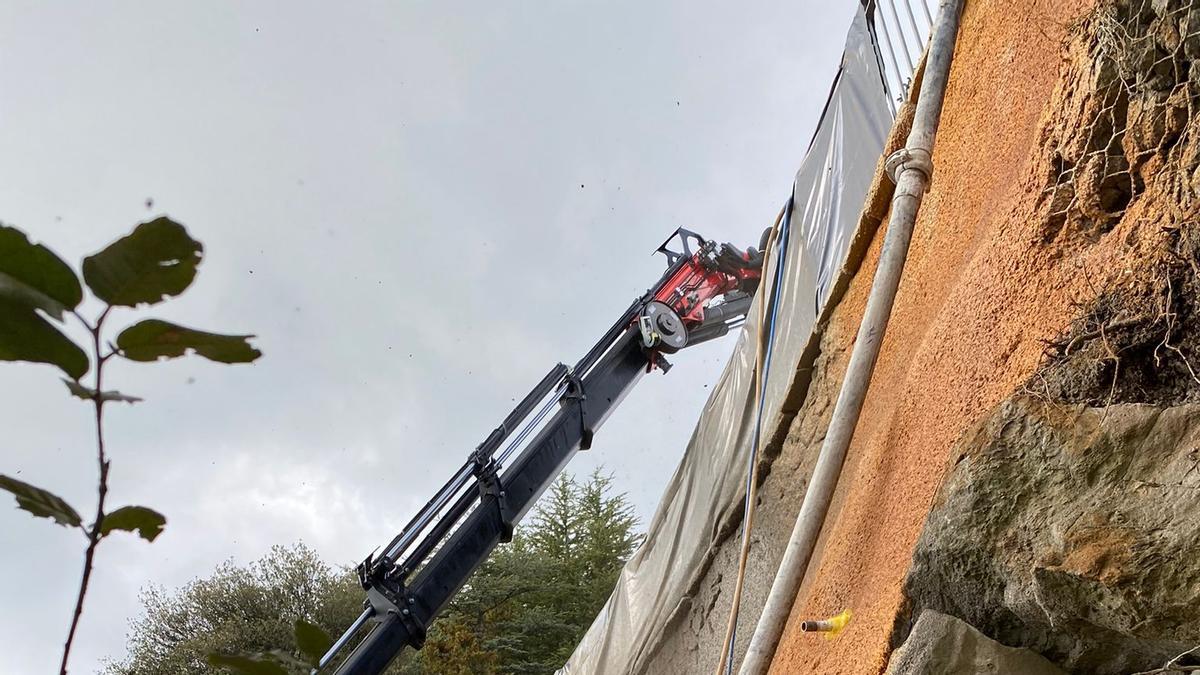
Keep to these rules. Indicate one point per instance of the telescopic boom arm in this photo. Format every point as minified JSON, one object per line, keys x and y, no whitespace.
{"x":423,"y":567}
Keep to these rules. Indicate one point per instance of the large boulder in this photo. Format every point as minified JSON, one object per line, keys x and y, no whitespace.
{"x":1073,"y":531}
{"x":940,"y":644}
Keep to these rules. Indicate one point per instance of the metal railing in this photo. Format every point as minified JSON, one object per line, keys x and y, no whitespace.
{"x":902,"y":29}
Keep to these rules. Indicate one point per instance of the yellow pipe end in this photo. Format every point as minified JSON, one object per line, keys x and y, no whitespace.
{"x":837,"y":623}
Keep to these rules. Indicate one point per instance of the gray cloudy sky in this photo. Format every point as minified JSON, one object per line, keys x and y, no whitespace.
{"x":418,"y":207}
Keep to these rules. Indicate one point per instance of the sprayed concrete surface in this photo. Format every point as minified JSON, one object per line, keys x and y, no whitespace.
{"x":981,"y":292}
{"x":692,"y":640}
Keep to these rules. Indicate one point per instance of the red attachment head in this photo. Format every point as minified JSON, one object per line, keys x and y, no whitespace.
{"x":705,"y":274}
{"x":673,"y":315}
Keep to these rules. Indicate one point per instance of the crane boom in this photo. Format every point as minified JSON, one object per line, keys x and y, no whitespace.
{"x":425,"y":565}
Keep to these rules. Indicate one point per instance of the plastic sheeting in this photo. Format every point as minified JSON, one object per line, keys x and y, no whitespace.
{"x":707,"y":489}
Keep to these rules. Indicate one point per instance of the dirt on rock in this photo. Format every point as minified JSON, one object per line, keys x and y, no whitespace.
{"x":693,"y":639}
{"x":1138,"y":342}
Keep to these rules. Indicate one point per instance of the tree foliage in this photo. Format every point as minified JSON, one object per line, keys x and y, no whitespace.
{"x":532,"y":601}
{"x":523,"y":612}
{"x":246,"y":609}
{"x":528,"y":606}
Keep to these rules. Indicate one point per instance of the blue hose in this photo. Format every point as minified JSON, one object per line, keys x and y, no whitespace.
{"x":781,"y":246}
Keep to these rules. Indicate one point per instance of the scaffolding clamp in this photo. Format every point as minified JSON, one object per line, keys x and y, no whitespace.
{"x":909,"y":158}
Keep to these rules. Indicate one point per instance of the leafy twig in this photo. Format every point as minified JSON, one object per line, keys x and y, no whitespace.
{"x":102,"y":488}
{"x":154,"y":262}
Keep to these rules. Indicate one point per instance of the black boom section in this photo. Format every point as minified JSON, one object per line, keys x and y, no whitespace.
{"x":584,"y":407}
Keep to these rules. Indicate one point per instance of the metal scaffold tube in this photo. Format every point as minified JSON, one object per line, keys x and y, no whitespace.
{"x":912,"y":169}
{"x":912,"y":22}
{"x":896,"y":72}
{"x":899,"y":36}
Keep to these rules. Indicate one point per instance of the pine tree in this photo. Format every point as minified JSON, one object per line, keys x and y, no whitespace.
{"x":535,"y":598}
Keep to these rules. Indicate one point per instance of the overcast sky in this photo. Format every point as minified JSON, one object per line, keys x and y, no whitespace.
{"x":418,"y":207}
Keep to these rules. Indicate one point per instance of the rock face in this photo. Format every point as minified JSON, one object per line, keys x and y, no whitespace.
{"x":944,"y":645}
{"x":1073,"y":531}
{"x":1069,"y":523}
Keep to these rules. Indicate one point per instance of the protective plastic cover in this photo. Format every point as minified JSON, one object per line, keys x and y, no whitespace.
{"x":708,"y":487}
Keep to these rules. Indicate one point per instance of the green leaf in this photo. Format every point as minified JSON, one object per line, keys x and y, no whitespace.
{"x":33,"y":275}
{"x":153,"y":339}
{"x":40,"y":503}
{"x":26,"y":336}
{"x":89,"y":394}
{"x":311,"y":640}
{"x":247,"y":665}
{"x":148,"y":523}
{"x":157,"y":260}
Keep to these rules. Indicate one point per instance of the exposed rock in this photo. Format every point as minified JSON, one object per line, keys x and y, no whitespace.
{"x":1166,"y":33}
{"x":1147,"y":123}
{"x":1191,"y":34}
{"x":945,"y":645}
{"x":1070,"y":522}
{"x":1073,"y":531}
{"x":1104,"y":189}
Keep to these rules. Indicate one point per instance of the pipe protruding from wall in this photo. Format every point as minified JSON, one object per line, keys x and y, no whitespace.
{"x":830,"y":627}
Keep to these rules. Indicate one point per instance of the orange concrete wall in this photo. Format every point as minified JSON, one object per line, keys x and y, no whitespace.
{"x":979,"y":293}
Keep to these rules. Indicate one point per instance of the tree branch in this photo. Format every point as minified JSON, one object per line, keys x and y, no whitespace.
{"x":102,"y":488}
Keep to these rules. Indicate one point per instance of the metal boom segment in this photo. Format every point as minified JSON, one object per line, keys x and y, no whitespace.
{"x":456,"y":531}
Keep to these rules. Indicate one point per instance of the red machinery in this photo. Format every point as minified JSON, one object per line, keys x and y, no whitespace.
{"x":679,"y":313}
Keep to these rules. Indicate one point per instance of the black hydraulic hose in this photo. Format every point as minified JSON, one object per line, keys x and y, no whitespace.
{"x":447,"y":522}
{"x":716,"y":319}
{"x":377,"y":650}
{"x":484,"y":451}
{"x":605,"y":342}
{"x":402,"y":622}
{"x":714,"y":326}
{"x":401,"y":541}
{"x":390,"y":633}
{"x":730,"y":309}
{"x":418,"y":522}
{"x":519,"y":413}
